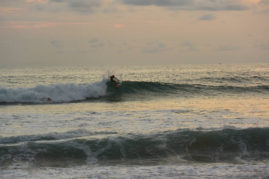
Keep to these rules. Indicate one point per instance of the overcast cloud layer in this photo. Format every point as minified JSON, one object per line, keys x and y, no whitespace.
{"x":88,"y":6}
{"x":82,"y":6}
{"x":93,"y":32}
{"x":207,"y":5}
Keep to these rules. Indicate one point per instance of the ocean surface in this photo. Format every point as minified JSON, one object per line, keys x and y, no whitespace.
{"x":184,"y":121}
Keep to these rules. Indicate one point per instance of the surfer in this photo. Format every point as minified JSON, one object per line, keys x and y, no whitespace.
{"x":115,"y":81}
{"x":112,"y":78}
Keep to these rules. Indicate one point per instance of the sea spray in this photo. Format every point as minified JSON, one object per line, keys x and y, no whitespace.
{"x":201,"y":146}
{"x":55,"y":93}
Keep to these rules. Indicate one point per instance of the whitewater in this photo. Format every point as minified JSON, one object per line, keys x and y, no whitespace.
{"x":185,"y":121}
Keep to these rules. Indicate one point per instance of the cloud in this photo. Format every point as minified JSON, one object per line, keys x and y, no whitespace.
{"x":262,"y":45}
{"x":207,"y":17}
{"x":188,"y":46}
{"x":10,"y":2}
{"x":36,"y":1}
{"x":36,"y":25}
{"x":56,"y":43}
{"x":118,"y":26}
{"x":157,"y":2}
{"x":207,"y":5}
{"x":154,"y":47}
{"x":9,"y":11}
{"x":27,"y":25}
{"x":264,"y":6}
{"x":264,"y":2}
{"x":95,"y":43}
{"x":228,"y":48}
{"x":91,"y":6}
{"x":81,"y":6}
{"x":84,"y":6}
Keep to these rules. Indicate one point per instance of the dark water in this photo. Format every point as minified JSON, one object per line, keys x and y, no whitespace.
{"x":197,"y":146}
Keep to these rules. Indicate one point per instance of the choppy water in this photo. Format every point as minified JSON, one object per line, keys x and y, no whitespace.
{"x":192,"y":121}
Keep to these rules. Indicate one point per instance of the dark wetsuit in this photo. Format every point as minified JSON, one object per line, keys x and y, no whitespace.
{"x":116,"y":83}
{"x":112,"y":79}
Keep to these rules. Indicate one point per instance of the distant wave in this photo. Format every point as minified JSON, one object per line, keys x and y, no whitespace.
{"x":237,"y":79}
{"x":128,"y":90}
{"x":227,"y":145}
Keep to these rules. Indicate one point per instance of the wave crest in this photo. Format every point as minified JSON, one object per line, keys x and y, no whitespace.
{"x":202,"y":146}
{"x":53,"y":93}
{"x":128,"y":90}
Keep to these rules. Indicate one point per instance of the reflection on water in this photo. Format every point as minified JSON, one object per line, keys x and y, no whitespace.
{"x":136,"y":116}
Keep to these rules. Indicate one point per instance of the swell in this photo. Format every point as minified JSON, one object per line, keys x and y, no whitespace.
{"x":137,"y":86}
{"x":250,"y":79}
{"x":128,"y":90}
{"x":181,"y":145}
{"x":133,"y":90}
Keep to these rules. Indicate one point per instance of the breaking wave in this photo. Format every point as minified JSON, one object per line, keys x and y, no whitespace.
{"x":227,"y":145}
{"x":128,"y":90}
{"x":57,"y":93}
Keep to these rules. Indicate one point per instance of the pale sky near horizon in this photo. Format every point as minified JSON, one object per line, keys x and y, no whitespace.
{"x":133,"y":32}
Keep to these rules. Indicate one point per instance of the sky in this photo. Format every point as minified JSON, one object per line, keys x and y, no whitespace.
{"x":133,"y":32}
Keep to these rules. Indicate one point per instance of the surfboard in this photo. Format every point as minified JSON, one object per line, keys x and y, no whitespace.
{"x":116,"y":85}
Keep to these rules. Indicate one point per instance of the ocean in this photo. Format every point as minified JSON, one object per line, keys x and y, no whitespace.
{"x":180,"y":121}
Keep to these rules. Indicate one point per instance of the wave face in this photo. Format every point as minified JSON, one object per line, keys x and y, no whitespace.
{"x":226,"y":145}
{"x":181,"y":90}
{"x":133,"y":86}
{"x":128,"y":90}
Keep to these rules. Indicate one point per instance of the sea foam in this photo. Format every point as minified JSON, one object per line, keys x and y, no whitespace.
{"x":53,"y":93}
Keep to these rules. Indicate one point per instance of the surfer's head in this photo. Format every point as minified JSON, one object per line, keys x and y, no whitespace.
{"x":112,"y":78}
